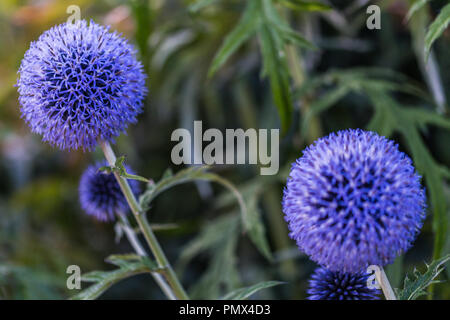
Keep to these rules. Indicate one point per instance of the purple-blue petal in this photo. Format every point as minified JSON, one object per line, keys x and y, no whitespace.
{"x":353,"y":200}
{"x":79,"y":84}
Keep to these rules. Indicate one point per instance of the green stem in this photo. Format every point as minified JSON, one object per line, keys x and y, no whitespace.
{"x":152,"y":242}
{"x":134,"y":241}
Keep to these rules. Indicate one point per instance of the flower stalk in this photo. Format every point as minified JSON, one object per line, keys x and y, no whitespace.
{"x":384,"y":283}
{"x":134,"y":241}
{"x":152,"y":242}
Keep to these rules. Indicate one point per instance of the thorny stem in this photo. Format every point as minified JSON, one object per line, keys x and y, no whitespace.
{"x":383,"y":281}
{"x":146,"y":230}
{"x":134,"y":241}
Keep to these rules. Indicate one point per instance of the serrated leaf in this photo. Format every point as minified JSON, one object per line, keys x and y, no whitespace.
{"x":437,"y":28}
{"x":305,"y":5}
{"x":252,"y":220}
{"x":244,"y":293}
{"x":416,"y":7}
{"x":129,"y":265}
{"x":218,"y":239}
{"x":415,"y":286}
{"x":245,"y":28}
{"x":195,"y":173}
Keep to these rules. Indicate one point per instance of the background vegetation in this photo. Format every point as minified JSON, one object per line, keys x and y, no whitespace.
{"x":309,"y":68}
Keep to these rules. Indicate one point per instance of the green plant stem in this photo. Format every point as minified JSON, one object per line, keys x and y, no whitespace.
{"x":146,"y":230}
{"x":383,"y":281}
{"x":134,"y":241}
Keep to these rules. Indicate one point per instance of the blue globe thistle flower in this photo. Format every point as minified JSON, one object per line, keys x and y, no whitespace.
{"x":100,"y":194}
{"x":329,"y":285}
{"x":353,"y":200}
{"x":80,"y":83}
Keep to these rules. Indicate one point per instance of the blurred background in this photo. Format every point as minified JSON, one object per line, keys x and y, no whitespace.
{"x":357,"y":78}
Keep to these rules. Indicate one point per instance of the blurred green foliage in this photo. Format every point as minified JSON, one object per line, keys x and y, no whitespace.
{"x":309,"y":67}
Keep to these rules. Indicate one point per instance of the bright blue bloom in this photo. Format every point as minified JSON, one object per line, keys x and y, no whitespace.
{"x":80,"y":83}
{"x":353,"y":200}
{"x":100,"y":194}
{"x":329,"y":285}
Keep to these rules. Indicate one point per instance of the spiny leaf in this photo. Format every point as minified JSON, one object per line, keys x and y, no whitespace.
{"x":218,"y":239}
{"x":305,"y":5}
{"x":244,"y":293}
{"x":246,"y":27}
{"x":129,"y":265}
{"x":437,"y":28}
{"x":252,"y":220}
{"x":124,"y":259}
{"x":187,"y":175}
{"x":415,"y":286}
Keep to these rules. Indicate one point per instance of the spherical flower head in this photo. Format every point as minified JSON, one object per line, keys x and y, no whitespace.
{"x":329,"y":285}
{"x":353,"y":200}
{"x":80,"y":83}
{"x":100,"y":194}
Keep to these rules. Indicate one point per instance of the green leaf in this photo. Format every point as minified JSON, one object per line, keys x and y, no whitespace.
{"x":274,"y":64}
{"x":244,"y":293}
{"x":218,"y":239}
{"x":305,"y":5}
{"x":382,"y":121}
{"x":323,"y":103}
{"x":246,"y":27}
{"x":129,"y":265}
{"x":292,"y":37}
{"x":187,"y":175}
{"x":255,"y":227}
{"x":416,"y":7}
{"x":200,"y":4}
{"x":414,"y":286}
{"x":437,"y":28}
{"x":251,"y":220}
